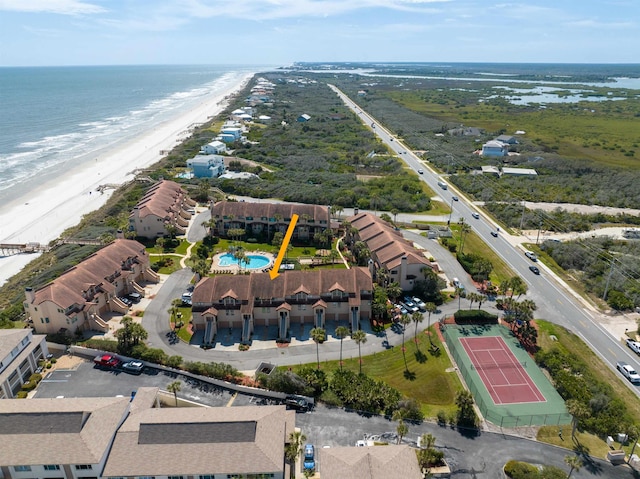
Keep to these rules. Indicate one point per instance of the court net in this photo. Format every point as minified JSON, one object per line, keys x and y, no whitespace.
{"x":517,"y":364}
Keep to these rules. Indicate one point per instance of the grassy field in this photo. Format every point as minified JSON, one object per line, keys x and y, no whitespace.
{"x":573,"y":343}
{"x":475,"y":244}
{"x":605,"y":132}
{"x":425,"y":378}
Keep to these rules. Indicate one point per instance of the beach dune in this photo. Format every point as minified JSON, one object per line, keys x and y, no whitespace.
{"x":43,"y":214}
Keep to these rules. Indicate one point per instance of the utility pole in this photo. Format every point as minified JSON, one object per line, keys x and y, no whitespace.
{"x":539,"y":228}
{"x":606,"y":287}
{"x":450,"y":213}
{"x":524,"y":204}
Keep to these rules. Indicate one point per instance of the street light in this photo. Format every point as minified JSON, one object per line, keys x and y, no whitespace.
{"x":450,"y":212}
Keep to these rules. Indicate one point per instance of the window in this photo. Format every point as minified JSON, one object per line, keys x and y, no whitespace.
{"x":83,"y":467}
{"x":302,"y":307}
{"x":147,"y":477}
{"x":51,"y":467}
{"x":22,"y":468}
{"x":208,"y":476}
{"x":176,"y":477}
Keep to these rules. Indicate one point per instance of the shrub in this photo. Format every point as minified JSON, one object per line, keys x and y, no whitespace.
{"x":442,"y":418}
{"x":475,"y":316}
{"x":521,"y":470}
{"x":22,"y":395}
{"x":29,"y":386}
{"x":35,"y":377}
{"x":54,"y":360}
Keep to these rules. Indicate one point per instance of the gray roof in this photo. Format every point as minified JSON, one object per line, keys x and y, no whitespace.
{"x":240,"y":440}
{"x":10,"y":338}
{"x":74,"y":430}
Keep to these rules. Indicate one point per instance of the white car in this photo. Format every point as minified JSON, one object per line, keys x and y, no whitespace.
{"x":633,"y":345}
{"x":628,"y":371}
{"x":419,"y":303}
{"x":531,"y":255}
{"x":475,"y":215}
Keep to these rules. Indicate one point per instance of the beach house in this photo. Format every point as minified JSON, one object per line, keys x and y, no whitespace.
{"x":285,"y":304}
{"x":20,"y":351}
{"x":162,"y":210}
{"x":215,"y":147}
{"x":303,"y":118}
{"x":206,"y":166}
{"x":266,"y":218}
{"x":389,"y":250}
{"x":495,"y":148}
{"x":76,"y":299}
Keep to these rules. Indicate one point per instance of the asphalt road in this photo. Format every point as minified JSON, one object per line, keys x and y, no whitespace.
{"x":469,"y":456}
{"x":555,"y":302}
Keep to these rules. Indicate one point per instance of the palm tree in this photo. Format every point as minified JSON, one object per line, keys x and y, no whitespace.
{"x":174,"y":388}
{"x":394,"y":291}
{"x":417,"y":318}
{"x":464,"y":229}
{"x":405,"y":319}
{"x":472,"y":297}
{"x":318,"y":335}
{"x":481,"y":298}
{"x":578,"y":411}
{"x":402,"y":430}
{"x":431,"y":308}
{"x":574,"y":463}
{"x":294,"y":448}
{"x":518,"y":286}
{"x":341,"y":332}
{"x":360,"y":337}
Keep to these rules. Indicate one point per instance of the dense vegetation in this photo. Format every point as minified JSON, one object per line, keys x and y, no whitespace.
{"x":602,"y":265}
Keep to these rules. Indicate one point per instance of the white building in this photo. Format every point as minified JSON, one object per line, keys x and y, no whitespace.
{"x":216,"y":147}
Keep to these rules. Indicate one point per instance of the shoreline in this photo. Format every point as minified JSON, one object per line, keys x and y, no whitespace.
{"x":67,"y":196}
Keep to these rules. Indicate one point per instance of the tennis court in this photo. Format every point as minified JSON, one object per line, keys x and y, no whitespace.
{"x":503,"y":375}
{"x":507,"y":385}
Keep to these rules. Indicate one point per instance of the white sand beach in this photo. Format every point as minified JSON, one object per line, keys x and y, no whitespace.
{"x":61,"y":202}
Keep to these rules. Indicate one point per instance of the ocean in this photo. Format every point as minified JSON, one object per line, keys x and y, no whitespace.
{"x":54,"y":118}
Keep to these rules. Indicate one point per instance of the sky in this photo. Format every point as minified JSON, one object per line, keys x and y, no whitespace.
{"x":280,"y":32}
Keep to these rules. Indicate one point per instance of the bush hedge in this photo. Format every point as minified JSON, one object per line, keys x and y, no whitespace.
{"x":475,"y":316}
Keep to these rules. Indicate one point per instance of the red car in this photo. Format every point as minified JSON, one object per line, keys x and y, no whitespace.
{"x":106,"y":361}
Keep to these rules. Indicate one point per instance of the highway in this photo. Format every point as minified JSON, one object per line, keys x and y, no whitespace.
{"x":555,"y":301}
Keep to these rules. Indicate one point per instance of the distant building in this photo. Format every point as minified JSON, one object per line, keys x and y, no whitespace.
{"x":304,"y":117}
{"x":293,"y":298}
{"x":20,"y":351}
{"x":75,"y":300}
{"x":206,"y":166}
{"x":267,"y":218}
{"x":519,"y":171}
{"x":465,"y":131}
{"x":264,"y":118}
{"x":507,"y":139}
{"x":216,"y":147}
{"x":236,"y":131}
{"x":389,"y":250}
{"x":227,"y":137}
{"x":495,"y":148}
{"x":163,"y":206}
{"x":490,"y":169}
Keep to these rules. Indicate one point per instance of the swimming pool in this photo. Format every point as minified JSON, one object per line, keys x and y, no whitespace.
{"x":256,"y":261}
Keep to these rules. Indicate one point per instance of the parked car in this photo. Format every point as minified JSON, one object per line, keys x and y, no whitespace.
{"x":411,"y":309}
{"x":633,"y":345}
{"x":531,"y":255}
{"x":186,"y":298}
{"x":134,"y":297}
{"x":309,"y":460}
{"x":133,"y":367}
{"x":106,"y":361}
{"x":419,"y":303}
{"x":401,"y":307}
{"x":296,"y":404}
{"x":534,"y":269}
{"x":125,"y":300}
{"x":475,"y":215}
{"x":628,"y":372}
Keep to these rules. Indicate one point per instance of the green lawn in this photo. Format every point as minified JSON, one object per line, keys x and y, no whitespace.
{"x":427,"y":379}
{"x":180,"y":249}
{"x":475,"y":244}
{"x":172,"y":268}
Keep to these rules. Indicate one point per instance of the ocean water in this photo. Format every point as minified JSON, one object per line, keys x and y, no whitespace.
{"x":57,"y":117}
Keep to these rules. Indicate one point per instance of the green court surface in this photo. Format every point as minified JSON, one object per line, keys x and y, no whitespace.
{"x":551,"y":411}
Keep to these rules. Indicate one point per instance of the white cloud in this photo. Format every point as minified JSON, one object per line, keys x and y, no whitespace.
{"x":63,"y":7}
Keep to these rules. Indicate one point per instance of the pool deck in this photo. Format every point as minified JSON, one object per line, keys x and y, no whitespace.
{"x":217,"y":268}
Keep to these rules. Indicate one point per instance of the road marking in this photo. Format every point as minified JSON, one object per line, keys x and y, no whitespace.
{"x":233,"y":398}
{"x":54,"y":381}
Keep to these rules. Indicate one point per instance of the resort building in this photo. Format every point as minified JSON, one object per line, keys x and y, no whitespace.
{"x":75,"y":300}
{"x":163,"y":208}
{"x":66,"y":438}
{"x":495,"y":148}
{"x":82,"y":438}
{"x":268,"y":218}
{"x":388,"y":249}
{"x":370,"y":462}
{"x":20,"y":351}
{"x":294,"y":297}
{"x":206,"y":166}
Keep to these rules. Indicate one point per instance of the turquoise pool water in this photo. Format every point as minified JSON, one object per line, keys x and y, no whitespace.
{"x":256,"y":261}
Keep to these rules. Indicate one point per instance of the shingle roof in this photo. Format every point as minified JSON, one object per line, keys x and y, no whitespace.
{"x":256,"y":445}
{"x":164,"y":199}
{"x":385,"y":243}
{"x":10,"y":338}
{"x":56,"y":431}
{"x":260,"y":285}
{"x":268,"y":210}
{"x":67,"y":289}
{"x":375,"y":462}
